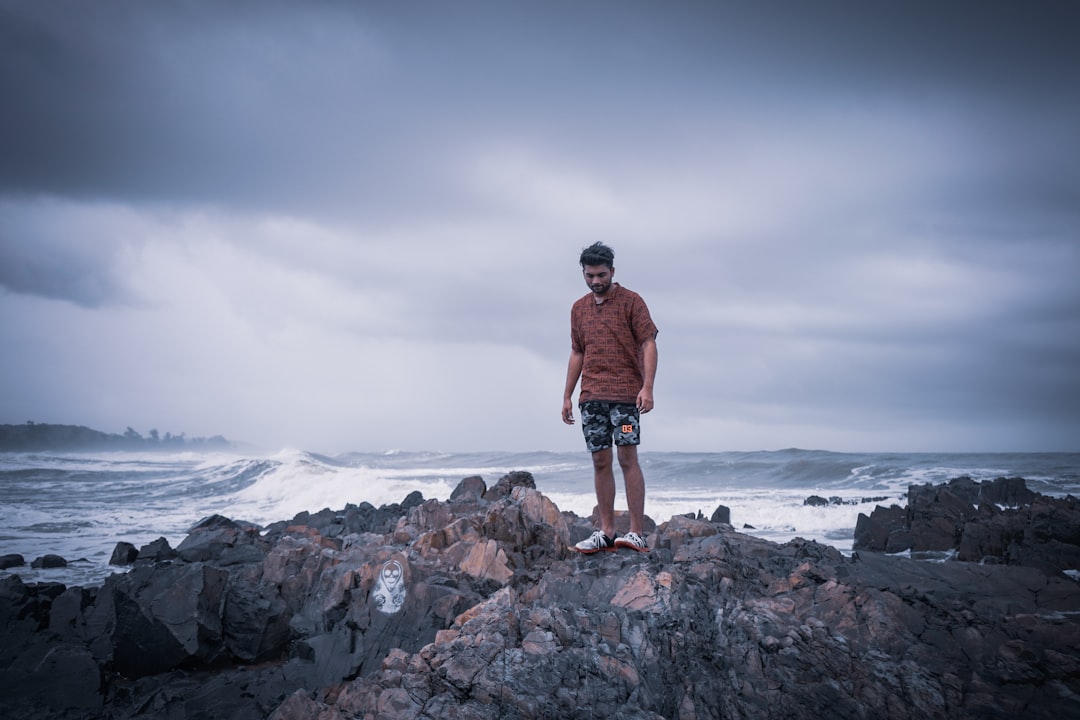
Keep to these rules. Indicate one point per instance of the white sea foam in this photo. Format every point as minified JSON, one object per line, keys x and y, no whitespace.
{"x":302,"y":483}
{"x":773,"y":515}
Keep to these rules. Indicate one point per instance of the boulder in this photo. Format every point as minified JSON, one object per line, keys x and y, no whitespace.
{"x":469,"y":489}
{"x":157,"y":551}
{"x":224,"y":541}
{"x":166,"y":617}
{"x":49,"y":561}
{"x":123,"y":554}
{"x":884,"y":530}
{"x":721,"y":515}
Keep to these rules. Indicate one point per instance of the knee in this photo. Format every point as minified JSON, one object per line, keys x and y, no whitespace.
{"x":628,"y":459}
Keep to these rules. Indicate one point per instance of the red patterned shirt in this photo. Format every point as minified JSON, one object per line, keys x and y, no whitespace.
{"x":610,"y":335}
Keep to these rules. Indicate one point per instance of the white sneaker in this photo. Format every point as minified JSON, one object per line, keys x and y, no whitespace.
{"x":595,"y":542}
{"x":633,"y":541}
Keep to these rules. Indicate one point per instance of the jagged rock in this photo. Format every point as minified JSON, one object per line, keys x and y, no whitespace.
{"x":508,"y":482}
{"x":471,"y":489}
{"x":255,"y":621}
{"x":721,"y":515}
{"x":477,"y":608}
{"x":155,"y":551}
{"x":643,"y":637}
{"x":884,"y":530}
{"x":222,"y":540}
{"x":166,"y":617}
{"x":1044,"y":532}
{"x":1011,"y":491}
{"x":123,"y":554}
{"x":1007,"y":491}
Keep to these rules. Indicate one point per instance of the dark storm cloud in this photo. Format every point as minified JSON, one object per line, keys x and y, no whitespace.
{"x":338,"y":104}
{"x":179,"y":102}
{"x":847,"y":216}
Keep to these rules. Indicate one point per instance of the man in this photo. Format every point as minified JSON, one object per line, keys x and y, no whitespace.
{"x":613,"y":352}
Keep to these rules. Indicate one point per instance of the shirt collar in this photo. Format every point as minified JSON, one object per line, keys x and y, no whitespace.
{"x":610,"y":294}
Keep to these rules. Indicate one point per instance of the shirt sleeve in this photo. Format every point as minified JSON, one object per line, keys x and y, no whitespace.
{"x":576,"y":343}
{"x":641,"y":322}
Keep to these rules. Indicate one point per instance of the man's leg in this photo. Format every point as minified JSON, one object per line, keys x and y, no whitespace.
{"x":634,"y":480}
{"x":604,"y":481}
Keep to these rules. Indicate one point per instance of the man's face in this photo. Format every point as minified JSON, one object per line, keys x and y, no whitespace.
{"x":598,"y":278}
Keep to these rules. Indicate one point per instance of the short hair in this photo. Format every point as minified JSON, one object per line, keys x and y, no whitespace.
{"x":598,"y":254}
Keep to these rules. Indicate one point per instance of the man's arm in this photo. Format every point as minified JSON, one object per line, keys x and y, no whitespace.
{"x":645,"y":397}
{"x":573,"y":372}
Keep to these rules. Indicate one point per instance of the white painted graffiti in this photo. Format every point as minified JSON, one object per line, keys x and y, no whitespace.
{"x":389,"y":590}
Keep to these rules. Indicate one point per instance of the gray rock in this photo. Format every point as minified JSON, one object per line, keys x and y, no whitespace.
{"x":155,"y":551}
{"x":721,"y":515}
{"x":507,"y":483}
{"x":123,"y":554}
{"x":471,"y":489}
{"x":478,"y":609}
{"x":1040,"y":532}
{"x":49,"y":561}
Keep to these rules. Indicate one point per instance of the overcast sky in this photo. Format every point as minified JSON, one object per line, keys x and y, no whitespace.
{"x":355,"y":225}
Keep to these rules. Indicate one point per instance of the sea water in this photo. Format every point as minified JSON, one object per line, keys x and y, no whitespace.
{"x":79,"y":505}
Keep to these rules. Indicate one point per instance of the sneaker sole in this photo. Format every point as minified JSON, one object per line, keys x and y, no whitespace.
{"x":630,"y":546}
{"x":593,"y":550}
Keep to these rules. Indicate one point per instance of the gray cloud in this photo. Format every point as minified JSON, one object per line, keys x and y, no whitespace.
{"x":856,"y":224}
{"x":80,"y":259}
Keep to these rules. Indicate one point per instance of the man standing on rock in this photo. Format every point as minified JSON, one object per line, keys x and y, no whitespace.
{"x":613,"y":352}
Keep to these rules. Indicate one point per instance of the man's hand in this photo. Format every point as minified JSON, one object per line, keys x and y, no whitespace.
{"x":645,"y":400}
{"x":568,"y":411}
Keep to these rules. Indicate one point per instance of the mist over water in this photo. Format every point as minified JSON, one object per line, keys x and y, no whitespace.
{"x":79,"y":506}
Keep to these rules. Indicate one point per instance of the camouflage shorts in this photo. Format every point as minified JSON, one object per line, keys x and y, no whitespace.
{"x":601,"y":421}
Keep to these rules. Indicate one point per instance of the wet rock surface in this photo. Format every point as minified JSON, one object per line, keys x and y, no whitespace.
{"x":477,"y":608}
{"x":992,"y":522}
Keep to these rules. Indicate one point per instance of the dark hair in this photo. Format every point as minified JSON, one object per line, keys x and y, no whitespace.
{"x":598,"y":254}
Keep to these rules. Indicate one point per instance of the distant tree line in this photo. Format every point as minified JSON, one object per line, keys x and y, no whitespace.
{"x":44,"y":436}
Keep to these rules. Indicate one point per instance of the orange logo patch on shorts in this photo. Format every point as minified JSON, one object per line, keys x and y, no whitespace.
{"x":628,"y":428}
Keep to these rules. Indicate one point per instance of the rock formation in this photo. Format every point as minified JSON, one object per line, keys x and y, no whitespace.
{"x":477,"y":608}
{"x":993,"y":522}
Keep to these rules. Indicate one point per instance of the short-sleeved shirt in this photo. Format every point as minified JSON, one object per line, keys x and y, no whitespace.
{"x":610,"y":335}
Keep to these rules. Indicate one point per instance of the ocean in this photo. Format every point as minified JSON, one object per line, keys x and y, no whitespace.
{"x":79,"y":505}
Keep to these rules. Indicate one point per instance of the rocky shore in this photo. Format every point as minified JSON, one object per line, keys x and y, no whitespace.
{"x":476,"y":608}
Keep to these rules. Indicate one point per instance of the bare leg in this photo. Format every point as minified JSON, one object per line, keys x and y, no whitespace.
{"x":604,"y":480}
{"x":635,"y":486}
